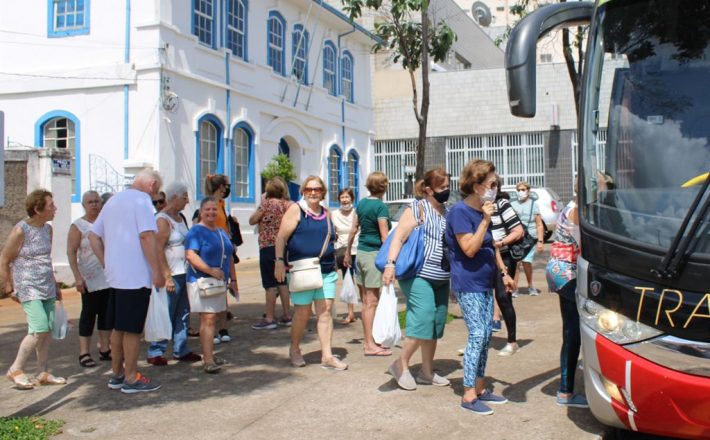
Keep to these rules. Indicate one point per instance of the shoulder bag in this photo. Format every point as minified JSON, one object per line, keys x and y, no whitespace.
{"x":305,"y":274}
{"x":211,"y":286}
{"x":522,"y":247}
{"x":411,"y":257}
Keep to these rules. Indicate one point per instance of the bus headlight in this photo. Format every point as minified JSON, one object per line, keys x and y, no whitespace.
{"x":614,"y":326}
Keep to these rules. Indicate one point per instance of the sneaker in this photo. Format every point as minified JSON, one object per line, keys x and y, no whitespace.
{"x":515,"y":293}
{"x":217,"y":340}
{"x":141,"y":385}
{"x":224,"y":335}
{"x":264,"y":325}
{"x":574,"y":401}
{"x":158,"y":361}
{"x":461,"y":351}
{"x":285,"y":322}
{"x":509,"y":349}
{"x":477,"y":407}
{"x":497,"y":326}
{"x":190,"y":357}
{"x":405,"y":380}
{"x":533,"y":291}
{"x":436,"y":380}
{"x":492,"y":399}
{"x":116,"y":382}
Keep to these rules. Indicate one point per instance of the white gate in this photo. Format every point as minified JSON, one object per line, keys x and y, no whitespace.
{"x":391,"y":157}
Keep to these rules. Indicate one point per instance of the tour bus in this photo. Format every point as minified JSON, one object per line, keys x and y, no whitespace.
{"x":643,"y":162}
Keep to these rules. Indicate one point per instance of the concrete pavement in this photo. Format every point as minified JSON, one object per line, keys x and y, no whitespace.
{"x":260,"y":396}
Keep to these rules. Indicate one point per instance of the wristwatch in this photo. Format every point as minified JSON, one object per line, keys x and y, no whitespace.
{"x":389,"y":262}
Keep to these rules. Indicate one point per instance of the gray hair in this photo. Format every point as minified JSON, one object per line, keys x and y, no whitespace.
{"x":90,"y":192}
{"x":174,"y":189}
{"x":147,"y":175}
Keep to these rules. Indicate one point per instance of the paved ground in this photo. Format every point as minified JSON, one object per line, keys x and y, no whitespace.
{"x":259,"y":396}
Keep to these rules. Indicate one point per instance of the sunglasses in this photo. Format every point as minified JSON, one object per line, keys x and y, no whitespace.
{"x":158,"y":202}
{"x":312,"y":190}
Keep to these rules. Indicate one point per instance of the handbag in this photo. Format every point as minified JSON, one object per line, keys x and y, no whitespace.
{"x":411,"y":257}
{"x":235,"y":231}
{"x":305,"y":274}
{"x":522,"y":247}
{"x":210,"y":286}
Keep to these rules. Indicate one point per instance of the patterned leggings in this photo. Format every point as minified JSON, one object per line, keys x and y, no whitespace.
{"x":477,"y":308}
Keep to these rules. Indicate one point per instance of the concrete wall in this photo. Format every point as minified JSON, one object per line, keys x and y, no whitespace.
{"x":15,"y":190}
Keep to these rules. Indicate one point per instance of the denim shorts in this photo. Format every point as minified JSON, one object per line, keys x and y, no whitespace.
{"x":307,"y":297}
{"x":40,"y":315}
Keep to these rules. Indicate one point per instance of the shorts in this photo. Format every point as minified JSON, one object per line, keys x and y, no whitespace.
{"x":367,"y":274}
{"x":40,"y":315}
{"x":427,"y":307}
{"x":267,"y":260}
{"x":307,"y":297}
{"x":94,"y":306}
{"x":530,"y":256}
{"x":127,"y":309}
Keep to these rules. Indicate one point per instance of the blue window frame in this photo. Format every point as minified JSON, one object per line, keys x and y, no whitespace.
{"x":335,"y":174}
{"x":61,"y":129}
{"x":67,"y":17}
{"x":210,"y":159}
{"x":346,"y":76}
{"x":203,"y":19}
{"x":243,"y":163}
{"x":353,"y":173}
{"x":300,"y":45}
{"x":237,"y":26}
{"x":329,"y":68}
{"x":276,"y":42}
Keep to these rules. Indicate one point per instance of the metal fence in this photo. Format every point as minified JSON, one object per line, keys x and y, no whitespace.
{"x":600,"y":150}
{"x":391,"y":157}
{"x":104,"y":178}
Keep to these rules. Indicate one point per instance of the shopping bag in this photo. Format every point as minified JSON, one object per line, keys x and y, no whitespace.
{"x":61,"y":322}
{"x":349,"y":294}
{"x":385,"y":328}
{"x":157,"y":324}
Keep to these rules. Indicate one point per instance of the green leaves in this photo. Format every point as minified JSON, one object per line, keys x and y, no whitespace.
{"x":281,"y":166}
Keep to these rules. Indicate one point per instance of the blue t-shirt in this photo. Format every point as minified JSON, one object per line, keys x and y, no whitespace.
{"x":208,"y":245}
{"x":469,"y":274}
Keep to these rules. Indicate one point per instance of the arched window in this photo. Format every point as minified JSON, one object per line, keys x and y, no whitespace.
{"x":276,"y":42}
{"x":353,"y":171}
{"x":209,"y":149}
{"x":243,"y":168}
{"x":299,"y":42}
{"x":335,"y":158}
{"x":203,"y":13}
{"x":60,"y":129}
{"x":237,"y":12}
{"x":329,"y":68}
{"x":346,"y":76}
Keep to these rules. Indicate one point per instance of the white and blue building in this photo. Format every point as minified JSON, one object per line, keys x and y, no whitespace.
{"x":190,"y":88}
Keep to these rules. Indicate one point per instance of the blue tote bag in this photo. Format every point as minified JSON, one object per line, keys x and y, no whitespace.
{"x":411,"y":257}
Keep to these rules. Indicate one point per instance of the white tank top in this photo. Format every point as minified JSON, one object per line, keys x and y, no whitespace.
{"x":175,"y":246}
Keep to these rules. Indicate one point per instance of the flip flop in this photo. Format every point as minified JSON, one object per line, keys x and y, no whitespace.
{"x":20,"y":379}
{"x":346,"y":321}
{"x":380,"y":353}
{"x":45,"y":378}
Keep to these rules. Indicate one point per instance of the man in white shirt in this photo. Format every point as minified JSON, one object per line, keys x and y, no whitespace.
{"x":123,"y":237}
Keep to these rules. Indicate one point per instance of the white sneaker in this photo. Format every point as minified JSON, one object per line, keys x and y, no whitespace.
{"x":217,"y":341}
{"x":533,"y":291}
{"x":509,"y":350}
{"x":515,"y":293}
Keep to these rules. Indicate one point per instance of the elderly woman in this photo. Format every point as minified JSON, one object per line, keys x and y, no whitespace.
{"x":268,"y":215}
{"x":26,"y":271}
{"x":90,"y":281}
{"x":473,"y":269}
{"x":170,"y":238}
{"x":209,"y":254}
{"x":343,"y":219}
{"x":428,"y":292}
{"x":529,"y":213}
{"x":373,"y":223}
{"x":307,"y":232}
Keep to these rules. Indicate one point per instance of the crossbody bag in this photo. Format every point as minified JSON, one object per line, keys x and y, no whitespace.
{"x":305,"y":274}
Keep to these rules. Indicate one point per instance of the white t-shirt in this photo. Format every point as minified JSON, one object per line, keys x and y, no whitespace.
{"x":120,"y":224}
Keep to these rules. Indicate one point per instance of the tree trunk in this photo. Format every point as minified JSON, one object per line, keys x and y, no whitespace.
{"x":571,"y":71}
{"x":424,"y":113}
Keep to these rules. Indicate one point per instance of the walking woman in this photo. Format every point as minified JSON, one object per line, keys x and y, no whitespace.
{"x":209,"y":254}
{"x":90,"y":281}
{"x":427,"y":293}
{"x":306,"y":232}
{"x":561,"y":274}
{"x":26,"y":271}
{"x":268,"y":216}
{"x":373,"y":223}
{"x":170,"y":242}
{"x":473,"y":268}
{"x":343,"y":222}
{"x":529,"y":213}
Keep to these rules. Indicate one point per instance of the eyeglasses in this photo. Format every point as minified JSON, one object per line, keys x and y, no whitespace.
{"x":313,"y":190}
{"x":158,"y":202}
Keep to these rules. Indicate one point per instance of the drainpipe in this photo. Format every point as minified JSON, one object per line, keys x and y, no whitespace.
{"x":126,"y":59}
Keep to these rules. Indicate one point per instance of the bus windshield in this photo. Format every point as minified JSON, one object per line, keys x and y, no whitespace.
{"x":646,"y":122}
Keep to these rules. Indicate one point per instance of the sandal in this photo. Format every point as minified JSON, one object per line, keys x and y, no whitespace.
{"x":86,"y":361}
{"x":347,"y":321}
{"x":45,"y":378}
{"x":105,"y":355}
{"x":334,"y":364}
{"x":211,"y":368}
{"x":20,"y":379}
{"x":296,"y":358}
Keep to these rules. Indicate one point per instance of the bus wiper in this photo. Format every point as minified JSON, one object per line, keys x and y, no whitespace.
{"x":670,"y":266}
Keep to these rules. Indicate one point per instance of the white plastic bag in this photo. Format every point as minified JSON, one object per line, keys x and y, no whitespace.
{"x":157,"y":324}
{"x":349,"y":294}
{"x":385,"y":329}
{"x":61,"y":322}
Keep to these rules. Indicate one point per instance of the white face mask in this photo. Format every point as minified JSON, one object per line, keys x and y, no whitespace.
{"x":347,"y":207}
{"x":522,"y":194}
{"x":489,"y":195}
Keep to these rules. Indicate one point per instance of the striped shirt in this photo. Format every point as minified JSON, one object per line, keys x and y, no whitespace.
{"x":434,"y":227}
{"x":503,"y":220}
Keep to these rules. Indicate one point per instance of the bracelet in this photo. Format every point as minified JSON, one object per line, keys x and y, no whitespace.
{"x":388,"y":265}
{"x":389,"y":262}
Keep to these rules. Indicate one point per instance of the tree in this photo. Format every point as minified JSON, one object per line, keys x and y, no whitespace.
{"x":281,"y":166}
{"x":406,"y":30}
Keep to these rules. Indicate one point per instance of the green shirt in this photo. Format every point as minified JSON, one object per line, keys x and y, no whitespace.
{"x":369,"y":211}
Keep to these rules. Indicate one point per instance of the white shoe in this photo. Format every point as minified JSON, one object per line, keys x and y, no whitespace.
{"x":217,"y":341}
{"x":509,"y":350}
{"x":461,"y":351}
{"x":533,"y":291}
